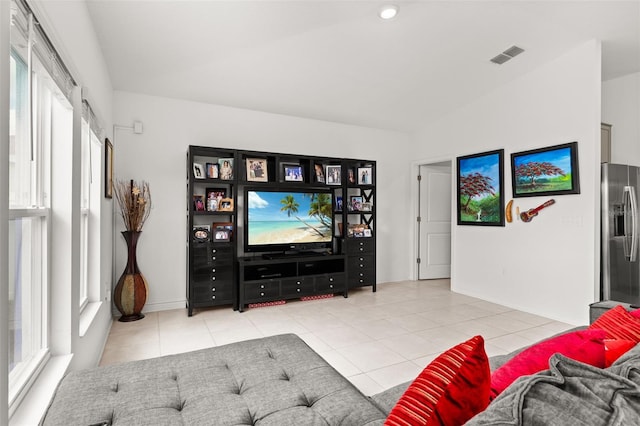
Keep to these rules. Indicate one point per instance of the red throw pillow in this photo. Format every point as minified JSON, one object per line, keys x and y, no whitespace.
{"x":450,"y":390}
{"x":619,"y":324}
{"x":635,"y":313}
{"x":585,"y":346}
{"x":614,"y":349}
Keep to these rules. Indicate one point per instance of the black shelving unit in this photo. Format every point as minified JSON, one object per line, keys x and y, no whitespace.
{"x":211,"y":204}
{"x":220,"y":272}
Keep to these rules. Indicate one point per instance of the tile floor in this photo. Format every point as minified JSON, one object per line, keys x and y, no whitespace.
{"x":376,"y":340}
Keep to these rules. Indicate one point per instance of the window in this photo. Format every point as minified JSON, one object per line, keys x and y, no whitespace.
{"x":91,"y":150}
{"x":40,"y":116}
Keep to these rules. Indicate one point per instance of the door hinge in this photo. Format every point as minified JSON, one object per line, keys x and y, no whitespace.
{"x":418,"y":260}
{"x":419,"y":178}
{"x":419,"y":219}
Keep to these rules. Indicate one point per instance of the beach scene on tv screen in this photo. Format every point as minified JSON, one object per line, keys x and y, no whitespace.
{"x":288,"y":217}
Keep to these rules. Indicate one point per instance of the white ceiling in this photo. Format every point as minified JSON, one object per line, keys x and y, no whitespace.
{"x":337,"y":60}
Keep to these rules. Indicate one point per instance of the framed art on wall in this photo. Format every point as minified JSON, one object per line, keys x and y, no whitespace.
{"x":480,"y":179}
{"x":545,"y":171}
{"x":108,"y":169}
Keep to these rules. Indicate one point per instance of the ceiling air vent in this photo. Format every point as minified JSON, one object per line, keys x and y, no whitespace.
{"x":507,"y":55}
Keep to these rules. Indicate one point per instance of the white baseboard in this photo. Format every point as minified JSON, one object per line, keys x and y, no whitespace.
{"x":156,"y":307}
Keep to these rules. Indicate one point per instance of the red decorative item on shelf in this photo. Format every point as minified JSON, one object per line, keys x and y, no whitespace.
{"x":130,"y":293}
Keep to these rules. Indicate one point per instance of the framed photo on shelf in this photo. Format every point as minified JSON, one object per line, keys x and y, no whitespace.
{"x":226,"y":205}
{"x":198,"y":171}
{"x":214,"y":196}
{"x":292,"y":172}
{"x":213,"y":170}
{"x":201,"y":233}
{"x":222,"y":231}
{"x":351,"y":176}
{"x":356,"y":230}
{"x":225,"y":168}
{"x":356,"y":203}
{"x":545,"y":171}
{"x":367,"y":206}
{"x":364,"y":175}
{"x":338,"y":203}
{"x":333,"y":175}
{"x":198,"y":203}
{"x":367,"y":232}
{"x":319,"y":172}
{"x":480,"y":197}
{"x":256,"y":170}
{"x":108,"y":169}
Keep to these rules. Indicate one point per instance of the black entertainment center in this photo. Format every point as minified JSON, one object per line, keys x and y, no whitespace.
{"x":266,"y":227}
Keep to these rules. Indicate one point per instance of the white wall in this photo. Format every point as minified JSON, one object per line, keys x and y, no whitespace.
{"x":547,"y":267}
{"x":621,"y":109}
{"x":159,"y":157}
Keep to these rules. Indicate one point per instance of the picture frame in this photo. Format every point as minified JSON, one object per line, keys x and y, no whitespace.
{"x":365,"y":176}
{"x":222,"y":231}
{"x":338,"y":206}
{"x":356,"y":230}
{"x":198,"y":171}
{"x":256,"y":170}
{"x":292,"y":172}
{"x":367,"y":206}
{"x":333,"y":175}
{"x":108,"y":168}
{"x":213,"y":198}
{"x":351,"y":176}
{"x":356,"y":203}
{"x":480,"y":194}
{"x":198,"y":203}
{"x":225,"y":166}
{"x":367,"y":232}
{"x":213,"y":170}
{"x":552,"y":170}
{"x":201,"y":233}
{"x":319,"y":172}
{"x":226,"y":205}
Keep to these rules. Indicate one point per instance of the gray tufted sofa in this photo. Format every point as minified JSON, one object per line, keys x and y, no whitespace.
{"x":273,"y":381}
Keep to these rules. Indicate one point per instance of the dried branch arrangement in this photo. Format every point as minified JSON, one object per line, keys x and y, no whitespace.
{"x":135,"y":203}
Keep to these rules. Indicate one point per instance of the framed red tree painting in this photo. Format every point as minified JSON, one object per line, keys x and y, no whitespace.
{"x":546,"y":171}
{"x":480,"y":189}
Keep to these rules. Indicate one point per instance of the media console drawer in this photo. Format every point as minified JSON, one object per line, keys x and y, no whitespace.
{"x":297,"y":286}
{"x":262,"y":289}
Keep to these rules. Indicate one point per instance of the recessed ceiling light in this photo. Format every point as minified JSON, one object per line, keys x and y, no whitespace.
{"x":389,"y":11}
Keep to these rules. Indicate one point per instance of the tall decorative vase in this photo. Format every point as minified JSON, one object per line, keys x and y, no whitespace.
{"x":131,"y":291}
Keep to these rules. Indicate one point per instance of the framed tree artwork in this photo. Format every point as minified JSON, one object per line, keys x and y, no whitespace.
{"x":480,"y":179}
{"x":546,"y":171}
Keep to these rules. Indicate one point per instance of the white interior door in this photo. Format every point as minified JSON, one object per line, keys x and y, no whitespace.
{"x":434,"y":248}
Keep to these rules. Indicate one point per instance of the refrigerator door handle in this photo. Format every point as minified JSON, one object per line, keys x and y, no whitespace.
{"x":630,"y":200}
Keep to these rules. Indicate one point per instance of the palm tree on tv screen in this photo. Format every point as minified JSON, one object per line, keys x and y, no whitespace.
{"x":318,"y":208}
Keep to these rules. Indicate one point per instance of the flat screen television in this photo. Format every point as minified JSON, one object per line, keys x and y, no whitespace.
{"x":295,"y":220}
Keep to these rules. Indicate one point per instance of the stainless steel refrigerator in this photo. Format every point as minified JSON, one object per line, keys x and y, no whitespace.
{"x":620,"y":268}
